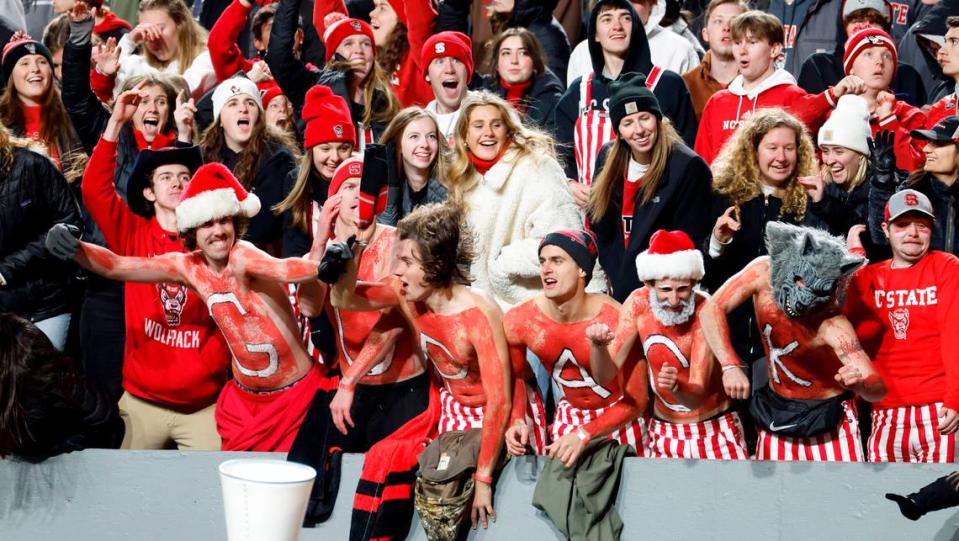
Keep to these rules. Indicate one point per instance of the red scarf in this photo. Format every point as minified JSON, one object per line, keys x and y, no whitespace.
{"x":515,"y":93}
{"x":481,"y":165}
{"x":33,"y":128}
{"x":162,"y":140}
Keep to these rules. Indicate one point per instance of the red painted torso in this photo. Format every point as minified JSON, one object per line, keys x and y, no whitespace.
{"x":673,"y":345}
{"x":564,"y":351}
{"x":352,"y":329}
{"x":257,"y":321}
{"x":801,"y":365}
{"x":445,"y":342}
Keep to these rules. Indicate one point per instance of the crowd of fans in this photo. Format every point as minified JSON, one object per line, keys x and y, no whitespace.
{"x":557,"y":157}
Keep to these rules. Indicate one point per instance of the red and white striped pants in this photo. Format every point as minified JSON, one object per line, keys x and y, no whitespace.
{"x":720,"y":438}
{"x":456,"y":416}
{"x":843,"y":444}
{"x":910,"y":434}
{"x":569,"y":418}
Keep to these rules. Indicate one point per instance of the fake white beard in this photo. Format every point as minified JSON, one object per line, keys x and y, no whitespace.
{"x":668,"y":317}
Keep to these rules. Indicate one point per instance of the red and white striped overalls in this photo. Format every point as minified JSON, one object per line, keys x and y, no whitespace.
{"x":593,"y":129}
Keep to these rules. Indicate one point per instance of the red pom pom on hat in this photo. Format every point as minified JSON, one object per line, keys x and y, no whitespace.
{"x":214,"y":193}
{"x":671,"y":254}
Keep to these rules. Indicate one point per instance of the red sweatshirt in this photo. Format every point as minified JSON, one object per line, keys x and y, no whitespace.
{"x":940,"y":110}
{"x":174,"y":354}
{"x":903,"y":317}
{"x":224,"y":52}
{"x":409,"y":79}
{"x":728,"y":109}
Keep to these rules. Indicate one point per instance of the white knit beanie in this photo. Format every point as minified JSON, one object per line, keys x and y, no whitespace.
{"x":232,"y":87}
{"x":848,"y":126}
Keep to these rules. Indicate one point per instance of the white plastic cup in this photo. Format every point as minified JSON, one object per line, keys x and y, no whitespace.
{"x":265,"y":500}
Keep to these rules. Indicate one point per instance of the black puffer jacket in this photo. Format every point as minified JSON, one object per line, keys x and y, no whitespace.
{"x":534,"y":15}
{"x":840,"y":210}
{"x":400,"y":198}
{"x":540,"y":98}
{"x":33,"y":197}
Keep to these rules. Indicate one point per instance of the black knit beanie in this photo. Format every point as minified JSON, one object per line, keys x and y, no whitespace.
{"x":579,"y":244}
{"x":628,"y":95}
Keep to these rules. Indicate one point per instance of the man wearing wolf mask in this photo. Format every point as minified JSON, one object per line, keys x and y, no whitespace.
{"x":815,"y":360}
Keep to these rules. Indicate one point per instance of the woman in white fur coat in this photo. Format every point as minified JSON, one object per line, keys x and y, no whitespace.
{"x":514,"y":191}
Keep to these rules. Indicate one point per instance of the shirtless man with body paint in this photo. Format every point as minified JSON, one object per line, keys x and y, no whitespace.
{"x":459,"y":329}
{"x":812,"y":349}
{"x":553,"y":326}
{"x":660,"y":322}
{"x":245,"y":290}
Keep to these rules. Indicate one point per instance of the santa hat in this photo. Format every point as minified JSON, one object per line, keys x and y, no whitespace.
{"x":17,"y":49}
{"x":864,"y":39}
{"x":234,"y":87}
{"x":348,"y":168}
{"x":449,"y":43}
{"x":327,"y":118}
{"x":848,"y":125}
{"x":339,"y":27}
{"x":671,"y":254}
{"x":214,"y":193}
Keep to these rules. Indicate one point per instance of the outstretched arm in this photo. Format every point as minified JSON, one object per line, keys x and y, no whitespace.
{"x":259,"y":264}
{"x":857,"y":373}
{"x":160,"y":268}
{"x":730,"y":296}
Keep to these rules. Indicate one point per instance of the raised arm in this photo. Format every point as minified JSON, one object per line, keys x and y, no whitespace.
{"x":62,"y":243}
{"x":857,"y":373}
{"x":87,"y":113}
{"x":373,"y":296}
{"x":261,"y":265}
{"x":225,"y":54}
{"x":730,"y":296}
{"x":289,"y":71}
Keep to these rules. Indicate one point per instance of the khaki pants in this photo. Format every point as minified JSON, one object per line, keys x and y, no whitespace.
{"x":149,"y":426}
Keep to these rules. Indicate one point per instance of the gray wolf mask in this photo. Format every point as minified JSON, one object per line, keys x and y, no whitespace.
{"x":808,"y":267}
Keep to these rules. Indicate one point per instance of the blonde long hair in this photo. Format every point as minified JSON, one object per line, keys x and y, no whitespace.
{"x":462,"y":175}
{"x":191,"y":37}
{"x":376,"y":81}
{"x":736,"y":169}
{"x":611,"y":176}
{"x":855,"y":181}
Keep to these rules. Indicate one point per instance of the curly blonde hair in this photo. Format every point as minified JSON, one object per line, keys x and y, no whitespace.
{"x":736,"y":169}
{"x":462,"y":177}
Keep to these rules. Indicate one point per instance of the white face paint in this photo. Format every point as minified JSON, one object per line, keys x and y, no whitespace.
{"x":666,"y":315}
{"x":585,"y":379}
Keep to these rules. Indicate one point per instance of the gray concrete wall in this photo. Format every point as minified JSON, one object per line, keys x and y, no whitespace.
{"x":169,"y":495}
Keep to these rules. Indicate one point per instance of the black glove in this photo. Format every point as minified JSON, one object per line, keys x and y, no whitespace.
{"x":63,"y":241}
{"x":882,"y":154}
{"x":335,"y":259}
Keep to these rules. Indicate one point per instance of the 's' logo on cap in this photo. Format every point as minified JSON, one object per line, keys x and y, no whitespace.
{"x":355,"y":169}
{"x":440,"y":48}
{"x":912,"y":200}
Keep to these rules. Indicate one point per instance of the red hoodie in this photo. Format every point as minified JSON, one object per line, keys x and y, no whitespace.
{"x":903,"y":318}
{"x":174,"y":354}
{"x":110,"y":22}
{"x":728,"y":109}
{"x":225,"y":54}
{"x":902,"y":121}
{"x":409,"y":80}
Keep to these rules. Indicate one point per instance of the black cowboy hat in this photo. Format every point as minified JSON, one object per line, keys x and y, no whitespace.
{"x":147,"y":161}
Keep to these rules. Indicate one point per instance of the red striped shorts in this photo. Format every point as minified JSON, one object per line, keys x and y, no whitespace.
{"x":569,"y":418}
{"x":456,"y":416}
{"x":910,"y":434}
{"x":843,"y":444}
{"x":720,"y":438}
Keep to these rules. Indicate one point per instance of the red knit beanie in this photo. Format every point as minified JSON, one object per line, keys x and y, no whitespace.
{"x":327,"y":118}
{"x":269,"y":91}
{"x":449,"y":43}
{"x":339,"y":27}
{"x":349,"y":168}
{"x":864,"y":39}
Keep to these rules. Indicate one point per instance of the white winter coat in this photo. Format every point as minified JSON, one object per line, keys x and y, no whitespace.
{"x":517,"y":202}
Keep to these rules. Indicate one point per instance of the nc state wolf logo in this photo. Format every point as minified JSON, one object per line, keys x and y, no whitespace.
{"x":173,"y":298}
{"x":900,"y":322}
